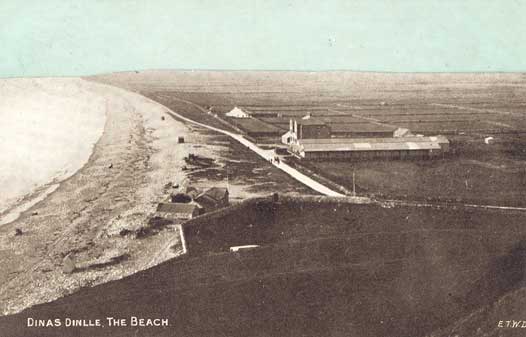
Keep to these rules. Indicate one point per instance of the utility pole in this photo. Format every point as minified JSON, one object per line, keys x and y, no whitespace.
{"x":227,"y":181}
{"x":353,"y":185}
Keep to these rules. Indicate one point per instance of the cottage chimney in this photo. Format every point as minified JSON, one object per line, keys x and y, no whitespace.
{"x":296,"y":127}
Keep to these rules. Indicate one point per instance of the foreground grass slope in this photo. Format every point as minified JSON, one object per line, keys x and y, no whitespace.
{"x":325,"y":267}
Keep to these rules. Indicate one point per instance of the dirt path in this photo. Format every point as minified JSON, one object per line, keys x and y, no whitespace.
{"x":265,"y":154}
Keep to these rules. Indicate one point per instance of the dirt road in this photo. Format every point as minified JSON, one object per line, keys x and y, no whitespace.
{"x":268,"y":155}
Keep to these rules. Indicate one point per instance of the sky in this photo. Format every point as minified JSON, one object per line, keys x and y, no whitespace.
{"x":73,"y":37}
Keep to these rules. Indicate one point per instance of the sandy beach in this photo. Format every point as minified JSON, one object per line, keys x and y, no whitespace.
{"x":119,"y":187}
{"x":136,"y":163}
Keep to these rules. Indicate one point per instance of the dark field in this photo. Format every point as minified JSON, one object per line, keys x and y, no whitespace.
{"x":255,"y":127}
{"x":475,"y":173}
{"x":325,"y":268}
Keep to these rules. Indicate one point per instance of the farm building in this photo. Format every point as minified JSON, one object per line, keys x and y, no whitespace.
{"x":287,"y":137}
{"x":362,"y":130}
{"x":314,"y":127}
{"x":402,"y":132}
{"x":370,"y":148}
{"x":237,"y":113}
{"x":213,"y":198}
{"x":311,"y":138}
{"x":178,"y":211}
{"x":309,"y":128}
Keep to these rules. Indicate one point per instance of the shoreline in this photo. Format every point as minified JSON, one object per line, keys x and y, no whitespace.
{"x":134,"y":165}
{"x":51,"y":122}
{"x":26,"y":204}
{"x":78,"y":215}
{"x":29,"y":202}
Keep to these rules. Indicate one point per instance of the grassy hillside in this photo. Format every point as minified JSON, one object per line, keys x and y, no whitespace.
{"x":325,"y":268}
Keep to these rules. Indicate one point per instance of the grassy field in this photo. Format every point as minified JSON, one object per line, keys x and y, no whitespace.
{"x":495,"y":181}
{"x":255,"y":127}
{"x":240,"y":167}
{"x":324,"y":268}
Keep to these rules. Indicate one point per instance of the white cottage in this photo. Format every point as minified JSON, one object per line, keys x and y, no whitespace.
{"x":237,"y":113}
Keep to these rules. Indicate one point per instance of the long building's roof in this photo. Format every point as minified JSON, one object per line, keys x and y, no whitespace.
{"x":355,"y":147}
{"x":216,"y":193}
{"x":414,"y":139}
{"x":372,"y":144}
{"x":168,"y":207}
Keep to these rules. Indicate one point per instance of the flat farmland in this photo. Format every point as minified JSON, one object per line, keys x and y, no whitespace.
{"x":174,"y":103}
{"x":255,"y":127}
{"x":326,"y":119}
{"x":465,"y":107}
{"x":429,"y":111}
{"x":272,"y":108}
{"x":455,"y":127}
{"x":494,"y":179}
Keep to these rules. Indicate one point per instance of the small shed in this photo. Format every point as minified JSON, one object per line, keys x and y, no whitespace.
{"x":489,"y":140}
{"x":237,"y":113}
{"x":309,"y":127}
{"x":245,"y":247}
{"x":213,"y":198}
{"x":178,"y":211}
{"x":402,"y":132}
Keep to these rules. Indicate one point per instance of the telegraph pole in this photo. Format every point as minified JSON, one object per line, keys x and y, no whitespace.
{"x":353,"y":185}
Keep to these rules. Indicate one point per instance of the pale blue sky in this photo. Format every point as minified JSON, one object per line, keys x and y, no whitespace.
{"x":68,"y":37}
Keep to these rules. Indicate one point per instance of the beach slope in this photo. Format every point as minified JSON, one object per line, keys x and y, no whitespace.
{"x":132,"y":162}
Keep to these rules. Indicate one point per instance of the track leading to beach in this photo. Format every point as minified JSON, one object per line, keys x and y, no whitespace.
{"x":265,"y":154}
{"x":306,"y":180}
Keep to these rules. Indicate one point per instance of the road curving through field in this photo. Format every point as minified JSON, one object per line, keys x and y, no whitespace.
{"x":265,"y":154}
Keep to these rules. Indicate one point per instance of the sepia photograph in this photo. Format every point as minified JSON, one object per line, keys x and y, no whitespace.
{"x":263,"y":168}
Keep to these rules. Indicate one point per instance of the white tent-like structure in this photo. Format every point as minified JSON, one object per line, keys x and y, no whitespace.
{"x":402,"y":132}
{"x":237,"y":113}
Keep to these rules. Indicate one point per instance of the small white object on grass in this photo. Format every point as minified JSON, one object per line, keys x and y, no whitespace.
{"x":68,"y":264}
{"x":237,"y":248}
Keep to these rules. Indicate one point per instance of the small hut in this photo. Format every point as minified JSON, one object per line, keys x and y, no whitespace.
{"x":213,"y":198}
{"x":178,"y":211}
{"x":237,"y":113}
